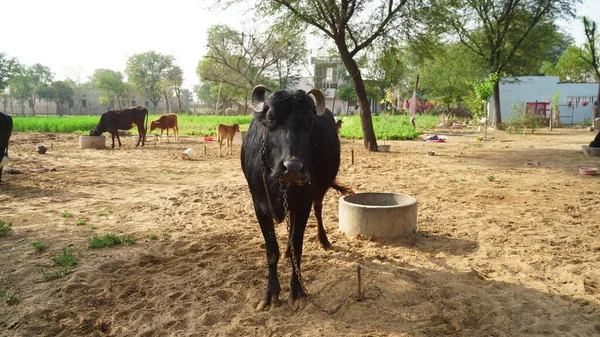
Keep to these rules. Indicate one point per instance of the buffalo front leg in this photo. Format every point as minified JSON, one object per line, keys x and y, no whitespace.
{"x":297,"y":299}
{"x":271,"y":299}
{"x":321,"y":235}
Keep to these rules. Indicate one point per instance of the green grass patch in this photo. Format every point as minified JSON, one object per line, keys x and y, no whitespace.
{"x":5,"y":227}
{"x":188,"y":124}
{"x":38,"y":246}
{"x":491,"y":177}
{"x":388,"y":127}
{"x":81,"y":222}
{"x":108,"y":240}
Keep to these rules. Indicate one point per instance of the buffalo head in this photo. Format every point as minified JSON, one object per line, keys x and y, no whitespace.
{"x":288,"y":118}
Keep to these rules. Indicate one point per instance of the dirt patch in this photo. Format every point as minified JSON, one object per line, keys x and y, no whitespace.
{"x":508,"y":242}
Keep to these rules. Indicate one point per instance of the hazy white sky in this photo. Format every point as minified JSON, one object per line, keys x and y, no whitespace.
{"x":78,"y":36}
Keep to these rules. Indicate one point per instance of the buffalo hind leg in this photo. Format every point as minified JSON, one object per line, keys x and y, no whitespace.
{"x":267,"y":228}
{"x":321,"y":235}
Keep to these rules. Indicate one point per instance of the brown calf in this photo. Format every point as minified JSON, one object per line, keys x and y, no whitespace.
{"x":226,"y":132}
{"x":168,"y":121}
{"x":124,"y":119}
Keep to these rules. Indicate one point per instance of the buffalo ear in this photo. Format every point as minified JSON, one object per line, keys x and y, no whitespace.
{"x":258,"y":98}
{"x":319,"y":100}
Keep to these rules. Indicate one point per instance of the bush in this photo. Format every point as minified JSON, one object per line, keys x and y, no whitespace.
{"x":520,"y":120}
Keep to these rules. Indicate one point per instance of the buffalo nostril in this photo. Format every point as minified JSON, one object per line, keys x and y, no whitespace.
{"x":293,"y":166}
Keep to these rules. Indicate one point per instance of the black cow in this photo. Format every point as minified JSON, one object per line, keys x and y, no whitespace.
{"x":290,"y":159}
{"x":124,"y":119}
{"x":6,"y":125}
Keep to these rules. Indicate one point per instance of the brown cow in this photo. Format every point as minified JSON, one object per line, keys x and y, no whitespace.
{"x":168,"y":121}
{"x":124,"y":119}
{"x":226,"y":132}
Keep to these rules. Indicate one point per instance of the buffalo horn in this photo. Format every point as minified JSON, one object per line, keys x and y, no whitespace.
{"x":319,"y":99}
{"x":258,"y":97}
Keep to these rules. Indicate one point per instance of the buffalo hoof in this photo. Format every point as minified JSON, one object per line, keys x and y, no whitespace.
{"x":325,"y":244}
{"x":272,"y":303}
{"x":298,"y":303}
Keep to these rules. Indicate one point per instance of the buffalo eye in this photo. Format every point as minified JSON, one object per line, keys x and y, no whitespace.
{"x":270,"y":119}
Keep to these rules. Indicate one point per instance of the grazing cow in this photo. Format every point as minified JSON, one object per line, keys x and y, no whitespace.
{"x":6,"y":125}
{"x":290,"y":159}
{"x":124,"y":119}
{"x":168,"y":121}
{"x":226,"y":132}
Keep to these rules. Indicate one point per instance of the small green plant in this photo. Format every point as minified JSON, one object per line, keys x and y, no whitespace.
{"x":128,"y":240}
{"x":65,"y":258}
{"x":491,"y":177}
{"x":92,"y":226}
{"x":66,"y":214}
{"x":57,"y":274}
{"x":110,"y":240}
{"x":152,"y":236}
{"x":9,"y":298}
{"x":81,"y":222}
{"x":25,"y":220}
{"x":105,"y":211}
{"x":165,"y":236}
{"x":477,"y":144}
{"x":5,"y":227}
{"x":38,"y":246}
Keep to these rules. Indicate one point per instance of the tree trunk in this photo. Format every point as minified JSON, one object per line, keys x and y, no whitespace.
{"x":179,"y":103}
{"x":166,"y":102}
{"x":118,"y":101}
{"x":370,"y":142}
{"x":595,"y":109}
{"x":497,"y":113}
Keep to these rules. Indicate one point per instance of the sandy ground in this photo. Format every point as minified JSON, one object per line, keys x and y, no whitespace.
{"x":515,"y":256}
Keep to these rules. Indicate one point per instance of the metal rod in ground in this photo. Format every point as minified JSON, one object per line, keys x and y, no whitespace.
{"x":358,"y":272}
{"x":352,"y":151}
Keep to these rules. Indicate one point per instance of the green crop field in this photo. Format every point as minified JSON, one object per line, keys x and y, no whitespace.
{"x":390,"y":127}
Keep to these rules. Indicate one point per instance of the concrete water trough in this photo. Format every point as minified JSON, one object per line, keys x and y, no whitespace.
{"x":92,"y":142}
{"x":378,"y":215}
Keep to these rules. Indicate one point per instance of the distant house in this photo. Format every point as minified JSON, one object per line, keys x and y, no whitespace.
{"x":327,"y":79}
{"x":575,"y":103}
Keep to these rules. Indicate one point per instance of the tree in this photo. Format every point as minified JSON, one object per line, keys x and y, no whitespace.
{"x":110,"y":85}
{"x":146,"y":71}
{"x":571,"y":66}
{"x":593,"y":56}
{"x":58,"y":92}
{"x":352,"y":25}
{"x":245,"y":59}
{"x":172,"y":83}
{"x":447,"y":74}
{"x":495,"y":30}
{"x":6,"y":70}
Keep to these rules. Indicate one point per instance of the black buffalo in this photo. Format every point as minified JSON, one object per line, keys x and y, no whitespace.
{"x":6,"y":125}
{"x":290,"y":157}
{"x":124,"y":119}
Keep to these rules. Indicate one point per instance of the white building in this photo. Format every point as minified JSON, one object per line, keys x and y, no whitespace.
{"x":575,"y":102}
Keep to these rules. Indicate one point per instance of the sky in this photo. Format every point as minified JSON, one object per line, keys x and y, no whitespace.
{"x":75,"y":37}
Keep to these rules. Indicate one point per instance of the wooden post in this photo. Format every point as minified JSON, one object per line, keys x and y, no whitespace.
{"x":205,"y":149}
{"x":359,"y":277}
{"x":352,"y":152}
